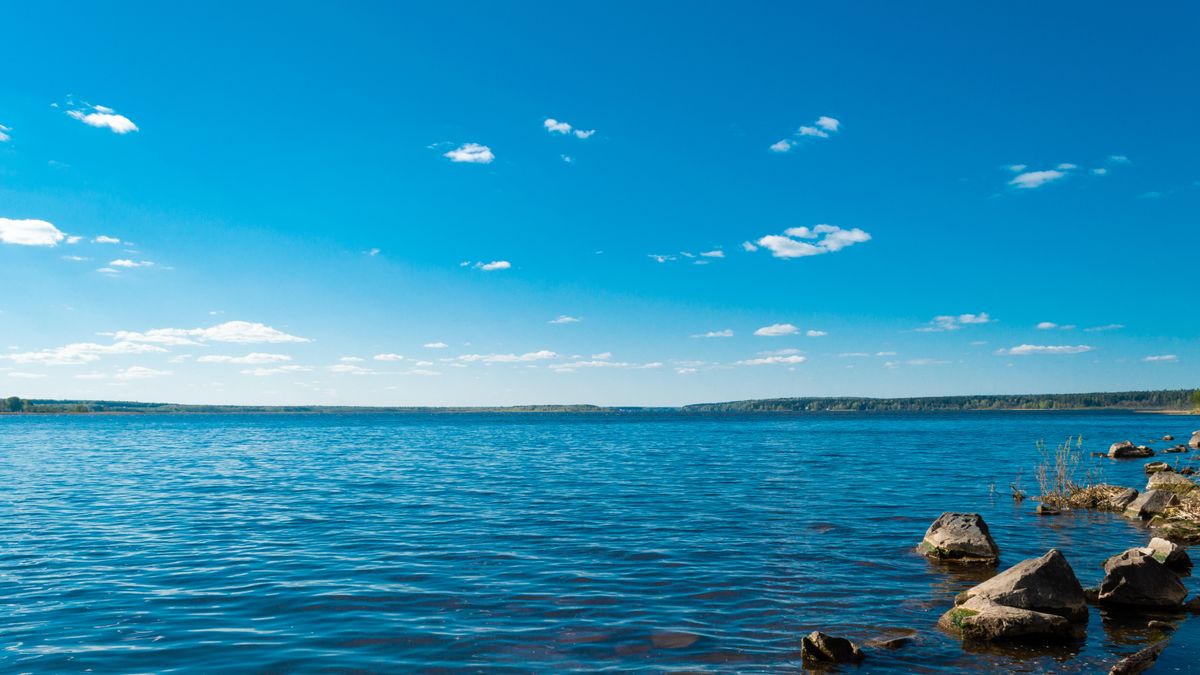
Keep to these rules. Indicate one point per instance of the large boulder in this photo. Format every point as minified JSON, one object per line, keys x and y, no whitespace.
{"x":1156,"y":467}
{"x":1195,"y":442}
{"x":1038,"y":597}
{"x":1126,"y":449}
{"x":959,"y":537}
{"x":819,"y":648}
{"x":1151,"y":503}
{"x":1136,"y":578}
{"x":1171,"y":482}
{"x":1119,"y":501}
{"x":1170,"y":554}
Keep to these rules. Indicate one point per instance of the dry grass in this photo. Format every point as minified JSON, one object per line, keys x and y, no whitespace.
{"x":1056,"y":472}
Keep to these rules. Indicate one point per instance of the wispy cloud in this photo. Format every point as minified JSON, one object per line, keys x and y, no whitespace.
{"x":102,"y":117}
{"x":949,"y":322}
{"x":540,"y":355}
{"x":435,"y":345}
{"x":471,"y":153}
{"x":252,"y":359}
{"x":1034,"y":179}
{"x":1159,"y":358}
{"x":554,"y":126}
{"x":800,"y":242}
{"x":4,"y":137}
{"x":105,"y":239}
{"x":915,"y":362}
{"x":388,"y":357}
{"x":1104,"y":328}
{"x":130,"y":264}
{"x":1027,"y":350}
{"x":823,"y":127}
{"x":728,"y":332}
{"x":566,"y":319}
{"x":790,"y":359}
{"x":29,"y":232}
{"x":816,"y":333}
{"x":777,"y":329}
{"x":79,"y":353}
{"x":491,"y":266}
{"x":349,"y":369}
{"x":141,"y":373}
{"x":1050,"y":325}
{"x":245,"y":332}
{"x":278,"y":370}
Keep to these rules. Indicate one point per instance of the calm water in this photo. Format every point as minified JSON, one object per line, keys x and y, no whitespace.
{"x":524,"y":543}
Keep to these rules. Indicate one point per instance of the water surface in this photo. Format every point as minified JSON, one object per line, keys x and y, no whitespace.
{"x":526,"y":542}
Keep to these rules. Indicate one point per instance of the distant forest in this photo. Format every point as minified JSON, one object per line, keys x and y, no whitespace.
{"x":1175,"y":399}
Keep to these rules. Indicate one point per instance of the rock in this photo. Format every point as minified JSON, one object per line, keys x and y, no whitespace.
{"x":1043,"y":510}
{"x":1122,"y":499}
{"x":1091,"y":595}
{"x":817,"y":647}
{"x":1126,"y":449}
{"x":1195,"y":442}
{"x":1176,"y":448}
{"x":1168,"y":438}
{"x":1187,"y":471}
{"x":1185,"y":531}
{"x":1193,"y":605}
{"x":1171,"y":482}
{"x":1140,"y":661}
{"x":1160,"y":625}
{"x":1156,"y":467}
{"x":1136,"y":579}
{"x":1170,"y":554}
{"x":894,"y":643}
{"x":1036,"y":597}
{"x":1150,"y":503}
{"x":959,"y":537}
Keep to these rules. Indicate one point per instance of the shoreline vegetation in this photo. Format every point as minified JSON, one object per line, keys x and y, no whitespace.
{"x":1172,"y":401}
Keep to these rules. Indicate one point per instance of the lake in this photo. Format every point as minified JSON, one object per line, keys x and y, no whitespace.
{"x":530,"y":542}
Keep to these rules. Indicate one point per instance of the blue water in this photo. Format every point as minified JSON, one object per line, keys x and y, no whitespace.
{"x":526,"y":543}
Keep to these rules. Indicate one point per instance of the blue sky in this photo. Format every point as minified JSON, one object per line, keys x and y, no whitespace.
{"x":921,"y":185}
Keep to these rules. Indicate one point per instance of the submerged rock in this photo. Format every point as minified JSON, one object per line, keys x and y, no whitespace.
{"x":817,"y":647}
{"x":1150,"y":503}
{"x":1171,"y":482}
{"x":960,"y":537}
{"x":1038,"y":597}
{"x":1168,"y":438}
{"x":1043,"y":510}
{"x":1140,"y":661}
{"x":1156,"y":467}
{"x":1126,"y":449}
{"x":1177,"y":448}
{"x":1136,"y":578}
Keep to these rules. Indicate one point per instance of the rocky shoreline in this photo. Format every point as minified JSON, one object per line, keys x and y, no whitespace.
{"x":1039,"y":601}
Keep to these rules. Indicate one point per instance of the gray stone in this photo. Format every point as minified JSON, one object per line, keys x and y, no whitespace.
{"x":1156,"y":467}
{"x":1136,"y":578}
{"x":959,"y":537}
{"x":1195,"y":442}
{"x":1150,"y":503}
{"x":1170,"y":554}
{"x":1177,"y":448}
{"x":1171,"y":482}
{"x":817,"y":647}
{"x":1122,"y":499}
{"x":1126,"y":449}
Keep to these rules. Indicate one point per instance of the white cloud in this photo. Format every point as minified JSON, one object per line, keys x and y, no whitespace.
{"x":244,"y":332}
{"x":351,"y":359}
{"x":713,"y":254}
{"x":102,"y":117}
{"x":280,"y":370}
{"x":662,"y":258}
{"x":471,"y":153}
{"x":950,"y":322}
{"x":79,"y":353}
{"x":140,"y":373}
{"x":130,"y":264}
{"x":26,"y":376}
{"x":1100,"y":171}
{"x":349,"y":369}
{"x":715,"y":334}
{"x":824,"y":239}
{"x":108,"y":270}
{"x":556,"y":127}
{"x":749,"y":247}
{"x":777,"y":329}
{"x":508,"y":358}
{"x":4,"y":137}
{"x":791,"y":359}
{"x":493,"y":266}
{"x":824,"y":127}
{"x":1118,"y":159}
{"x":1033,"y":179}
{"x":816,"y":333}
{"x":435,"y":345}
{"x":388,"y":357}
{"x":685,"y":370}
{"x":421,"y":372}
{"x":602,"y":356}
{"x":1016,"y":168}
{"x":74,"y":258}
{"x":1106,"y":327}
{"x":1026,"y":350}
{"x":252,"y":359}
{"x":1066,"y":166}
{"x":566,"y":319}
{"x":914,"y":362}
{"x":29,"y":232}
{"x":1161,"y":358}
{"x":1050,"y":325}
{"x":105,"y":239}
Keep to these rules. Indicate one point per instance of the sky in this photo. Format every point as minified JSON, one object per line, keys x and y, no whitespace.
{"x":512,"y":203}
